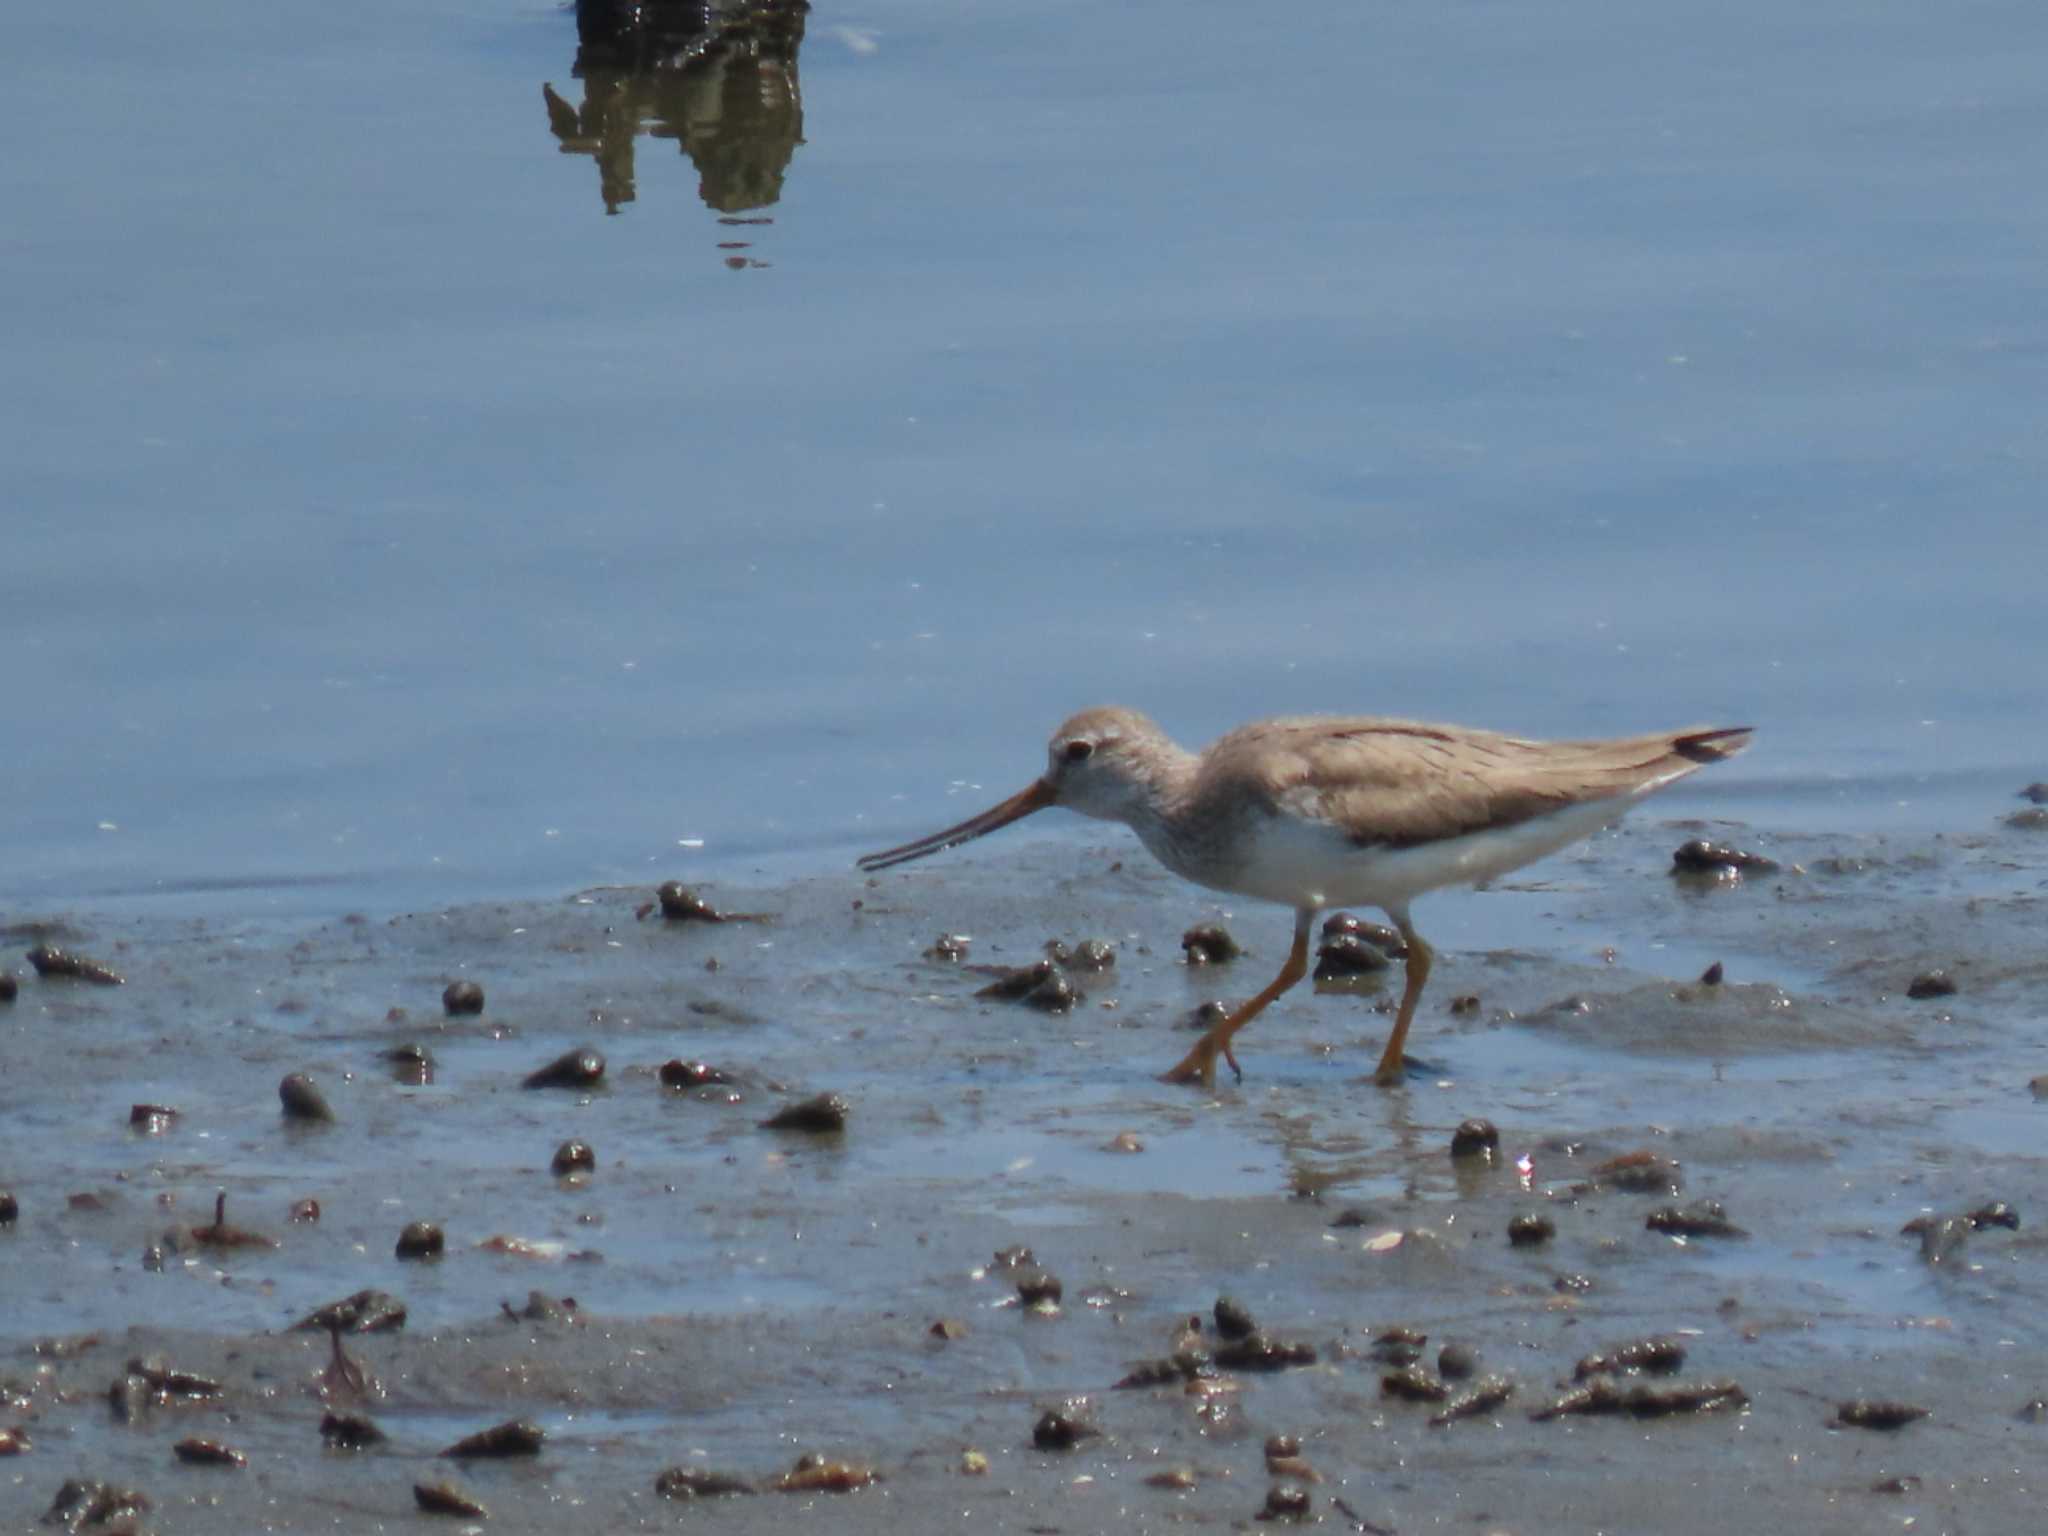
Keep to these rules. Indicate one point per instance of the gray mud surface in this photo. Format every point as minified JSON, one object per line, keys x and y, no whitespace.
{"x":743,"y":1296}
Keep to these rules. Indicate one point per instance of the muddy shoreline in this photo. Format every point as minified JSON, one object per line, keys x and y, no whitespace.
{"x":743,"y":1296}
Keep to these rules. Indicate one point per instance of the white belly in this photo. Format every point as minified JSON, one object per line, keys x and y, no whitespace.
{"x":1312,"y":864}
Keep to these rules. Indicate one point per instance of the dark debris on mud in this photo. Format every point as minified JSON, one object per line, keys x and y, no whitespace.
{"x":816,"y":1283}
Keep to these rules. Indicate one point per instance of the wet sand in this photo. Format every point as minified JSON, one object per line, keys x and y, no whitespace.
{"x":743,"y":1296}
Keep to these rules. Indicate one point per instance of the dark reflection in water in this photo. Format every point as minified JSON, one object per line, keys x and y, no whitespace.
{"x":718,"y":76}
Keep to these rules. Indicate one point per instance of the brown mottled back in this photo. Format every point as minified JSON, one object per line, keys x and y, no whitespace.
{"x":1399,"y":783}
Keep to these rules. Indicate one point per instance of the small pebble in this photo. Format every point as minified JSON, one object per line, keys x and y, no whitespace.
{"x":1042,"y":985}
{"x":1641,"y":1173}
{"x":9,"y":987}
{"x":444,"y":1498}
{"x":1867,"y":1413}
{"x":208,"y":1453}
{"x":411,"y":1063}
{"x":1208,"y":944}
{"x":1414,"y":1384}
{"x":699,"y":1483}
{"x":1700,"y":857}
{"x":302,"y":1100}
{"x":1531,"y":1231}
{"x":822,"y":1114}
{"x":679,"y":904}
{"x":1398,"y":1346}
{"x":1013,"y":982}
{"x":1092,"y":955}
{"x":1658,"y":1354}
{"x":54,"y":964}
{"x":1703,"y":1218}
{"x":151,"y":1119}
{"x":1482,"y":1397}
{"x":1455,"y":1362}
{"x":573,"y":1157}
{"x":1347,"y":956}
{"x":1063,"y":1427}
{"x":515,"y":1437}
{"x":1475,"y":1138}
{"x":1037,"y":1287}
{"x":580,"y":1068}
{"x":168,"y":1382}
{"x":460,"y":997}
{"x":1054,"y":994}
{"x":349,"y":1431}
{"x":815,"y":1474}
{"x":1711,"y":976}
{"x":684,"y":1075}
{"x":1936,"y":983}
{"x":84,"y":1502}
{"x":948,"y":1329}
{"x":1387,"y":941}
{"x":421,"y":1240}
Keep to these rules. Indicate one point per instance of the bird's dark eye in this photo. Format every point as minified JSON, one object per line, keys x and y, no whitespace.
{"x":1078,"y":751}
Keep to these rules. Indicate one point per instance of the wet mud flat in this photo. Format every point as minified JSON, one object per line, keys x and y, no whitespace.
{"x":1764,"y":1251}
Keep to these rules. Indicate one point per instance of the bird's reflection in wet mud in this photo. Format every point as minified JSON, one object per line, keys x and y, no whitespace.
{"x":717,"y":76}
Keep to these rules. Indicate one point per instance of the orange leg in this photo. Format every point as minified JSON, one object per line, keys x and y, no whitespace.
{"x":1388,"y":1073}
{"x":1200,"y":1063}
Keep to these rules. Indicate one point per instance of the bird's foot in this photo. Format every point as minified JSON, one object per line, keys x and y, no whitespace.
{"x":1199,"y":1065}
{"x":1393,"y":1074}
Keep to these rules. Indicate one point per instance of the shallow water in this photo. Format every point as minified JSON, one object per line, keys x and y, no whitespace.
{"x":746,"y":1294}
{"x":390,"y":526}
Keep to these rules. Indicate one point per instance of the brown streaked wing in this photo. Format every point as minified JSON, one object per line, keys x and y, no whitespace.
{"x":1398,"y":783}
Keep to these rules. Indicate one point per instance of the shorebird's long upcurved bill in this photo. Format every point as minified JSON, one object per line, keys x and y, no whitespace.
{"x":1018,"y":806}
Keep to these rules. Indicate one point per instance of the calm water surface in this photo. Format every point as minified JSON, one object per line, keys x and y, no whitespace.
{"x":391,"y":522}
